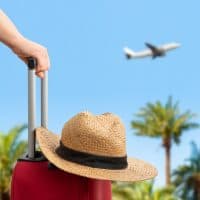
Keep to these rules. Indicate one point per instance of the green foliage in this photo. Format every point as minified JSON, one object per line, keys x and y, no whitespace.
{"x":11,"y":148}
{"x":141,"y":191}
{"x":157,"y":120}
{"x":186,"y":177}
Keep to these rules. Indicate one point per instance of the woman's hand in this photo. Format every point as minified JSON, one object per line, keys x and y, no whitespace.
{"x":25,"y":48}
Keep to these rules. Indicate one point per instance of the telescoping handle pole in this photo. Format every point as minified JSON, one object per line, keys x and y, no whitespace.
{"x":44,"y":100}
{"x":32,"y":63}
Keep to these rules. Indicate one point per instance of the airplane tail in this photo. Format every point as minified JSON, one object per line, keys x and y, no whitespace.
{"x":129,"y":53}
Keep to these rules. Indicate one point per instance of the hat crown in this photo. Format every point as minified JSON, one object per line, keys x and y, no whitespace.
{"x":100,"y":135}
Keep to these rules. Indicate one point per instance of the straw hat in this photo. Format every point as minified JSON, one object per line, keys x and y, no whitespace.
{"x":94,"y":147}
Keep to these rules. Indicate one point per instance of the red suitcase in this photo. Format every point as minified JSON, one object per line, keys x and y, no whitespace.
{"x":34,"y":178}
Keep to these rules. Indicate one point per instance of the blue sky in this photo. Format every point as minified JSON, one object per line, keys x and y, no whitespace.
{"x":89,"y":71}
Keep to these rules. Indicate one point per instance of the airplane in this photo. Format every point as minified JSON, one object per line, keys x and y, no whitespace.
{"x":153,"y":51}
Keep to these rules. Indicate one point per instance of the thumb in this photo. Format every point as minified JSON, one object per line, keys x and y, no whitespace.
{"x":23,"y":59}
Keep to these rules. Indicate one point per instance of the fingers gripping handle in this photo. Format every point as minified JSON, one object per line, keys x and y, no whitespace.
{"x":32,"y":63}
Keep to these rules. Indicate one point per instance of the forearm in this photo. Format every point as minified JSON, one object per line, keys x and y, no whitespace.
{"x":9,"y":34}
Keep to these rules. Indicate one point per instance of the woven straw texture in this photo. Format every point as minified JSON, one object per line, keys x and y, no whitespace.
{"x":100,"y":135}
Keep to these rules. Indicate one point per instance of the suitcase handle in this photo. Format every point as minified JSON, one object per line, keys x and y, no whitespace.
{"x":32,"y":63}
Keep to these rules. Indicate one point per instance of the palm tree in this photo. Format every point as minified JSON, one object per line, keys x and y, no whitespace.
{"x":11,"y":148}
{"x":141,"y":191}
{"x":187,"y":177}
{"x":165,"y":122}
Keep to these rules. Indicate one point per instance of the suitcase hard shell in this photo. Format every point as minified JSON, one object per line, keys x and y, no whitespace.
{"x":34,"y":179}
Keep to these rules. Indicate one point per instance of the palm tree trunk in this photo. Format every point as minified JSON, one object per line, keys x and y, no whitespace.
{"x":167,"y":146}
{"x":168,"y":165}
{"x":4,"y":196}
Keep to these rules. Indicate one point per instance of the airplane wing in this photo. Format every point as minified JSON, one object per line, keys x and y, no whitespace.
{"x":150,"y":46}
{"x":141,"y":54}
{"x":170,"y":46}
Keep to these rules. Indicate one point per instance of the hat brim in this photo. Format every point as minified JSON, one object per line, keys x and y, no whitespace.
{"x":137,"y":170}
